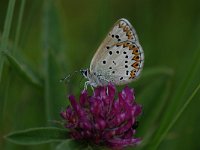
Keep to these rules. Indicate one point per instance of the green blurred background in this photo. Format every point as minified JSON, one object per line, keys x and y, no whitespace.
{"x":44,"y":40}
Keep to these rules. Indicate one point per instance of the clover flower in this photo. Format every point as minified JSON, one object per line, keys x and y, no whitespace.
{"x":102,"y":119}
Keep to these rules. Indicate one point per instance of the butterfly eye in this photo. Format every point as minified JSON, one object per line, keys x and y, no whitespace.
{"x":84,"y":73}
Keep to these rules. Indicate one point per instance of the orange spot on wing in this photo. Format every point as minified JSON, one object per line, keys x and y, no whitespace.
{"x":121,"y":25}
{"x":126,"y":44}
{"x":131,"y":47}
{"x":129,"y":34}
{"x":136,"y":58}
{"x":135,"y":50}
{"x":132,"y":74}
{"x":119,"y":44}
{"x":135,"y":65}
{"x":126,"y":29}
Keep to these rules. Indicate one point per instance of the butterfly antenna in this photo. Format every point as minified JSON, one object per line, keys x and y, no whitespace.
{"x":67,"y":78}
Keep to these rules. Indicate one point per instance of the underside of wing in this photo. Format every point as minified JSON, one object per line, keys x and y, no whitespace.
{"x":121,"y":31}
{"x":122,"y":63}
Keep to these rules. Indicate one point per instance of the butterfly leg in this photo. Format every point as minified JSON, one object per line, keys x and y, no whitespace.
{"x":86,"y":84}
{"x":92,"y":89}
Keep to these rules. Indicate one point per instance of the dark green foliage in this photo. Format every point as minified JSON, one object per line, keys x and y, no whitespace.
{"x":43,"y":41}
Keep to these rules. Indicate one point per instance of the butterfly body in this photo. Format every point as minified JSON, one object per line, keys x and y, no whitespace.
{"x":119,"y":59}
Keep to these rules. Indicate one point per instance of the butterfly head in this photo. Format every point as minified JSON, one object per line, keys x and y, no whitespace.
{"x":85,"y":73}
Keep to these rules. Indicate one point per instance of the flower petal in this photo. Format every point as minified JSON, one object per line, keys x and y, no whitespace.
{"x":102,"y":119}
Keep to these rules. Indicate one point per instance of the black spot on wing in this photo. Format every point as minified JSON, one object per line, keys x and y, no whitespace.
{"x":114,"y":62}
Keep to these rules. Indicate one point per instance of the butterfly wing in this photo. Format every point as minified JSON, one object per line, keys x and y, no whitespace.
{"x":120,"y":57}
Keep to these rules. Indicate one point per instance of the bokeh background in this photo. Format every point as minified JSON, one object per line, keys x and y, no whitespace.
{"x":45,"y":40}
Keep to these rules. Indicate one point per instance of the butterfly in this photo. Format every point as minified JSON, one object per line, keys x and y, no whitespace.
{"x":118,"y":60}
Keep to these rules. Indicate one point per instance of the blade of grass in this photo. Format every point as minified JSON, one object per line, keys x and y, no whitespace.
{"x":149,"y":124}
{"x":6,"y":32}
{"x":52,"y":42}
{"x":19,"y":22}
{"x":178,"y":115}
{"x":25,"y":71}
{"x":4,"y":90}
{"x":178,"y":95}
{"x":3,"y":46}
{"x":53,"y":96}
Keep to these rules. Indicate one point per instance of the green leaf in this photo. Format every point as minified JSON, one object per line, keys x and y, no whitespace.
{"x":36,"y":136}
{"x":19,"y":22}
{"x":23,"y":70}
